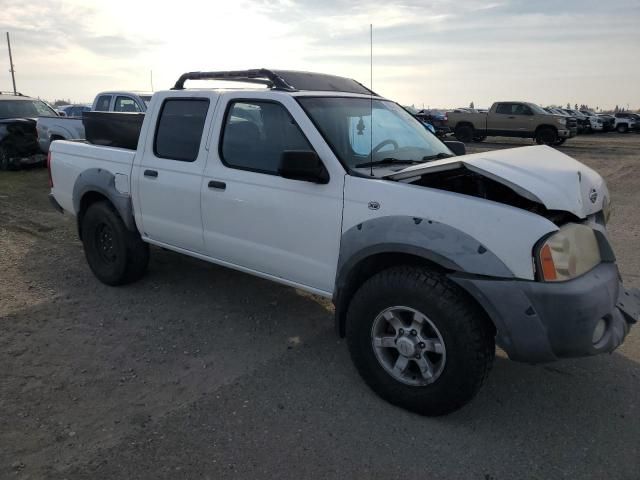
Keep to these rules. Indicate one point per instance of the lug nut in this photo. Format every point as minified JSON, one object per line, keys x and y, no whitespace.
{"x":414,"y":333}
{"x":421,"y":345}
{"x":401,"y":331}
{"x":417,"y":355}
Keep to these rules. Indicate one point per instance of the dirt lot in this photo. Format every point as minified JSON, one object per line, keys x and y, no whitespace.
{"x":202,"y":372}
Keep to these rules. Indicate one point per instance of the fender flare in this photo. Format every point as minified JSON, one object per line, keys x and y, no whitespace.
{"x":103,"y":182}
{"x":437,"y":243}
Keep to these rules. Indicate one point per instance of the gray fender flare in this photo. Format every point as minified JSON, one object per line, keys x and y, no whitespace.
{"x":436,"y":242}
{"x":103,"y":182}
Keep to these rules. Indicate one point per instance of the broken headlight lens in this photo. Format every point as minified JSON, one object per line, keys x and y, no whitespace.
{"x":568,"y":253}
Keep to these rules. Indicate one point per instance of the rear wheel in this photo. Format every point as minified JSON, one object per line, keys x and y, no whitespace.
{"x":115,"y":254}
{"x":622,"y":128}
{"x":464,"y":133}
{"x":546,"y":136}
{"x":479,"y":138}
{"x":418,"y":341}
{"x":560,"y":141}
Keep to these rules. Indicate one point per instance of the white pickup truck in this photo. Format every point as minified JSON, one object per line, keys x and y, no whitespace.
{"x":51,"y":128}
{"x":430,"y":258}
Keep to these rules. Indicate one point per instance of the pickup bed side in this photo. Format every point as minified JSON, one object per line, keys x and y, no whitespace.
{"x":58,"y":128}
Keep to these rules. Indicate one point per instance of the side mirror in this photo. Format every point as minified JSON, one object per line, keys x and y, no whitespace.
{"x":303,"y":165}
{"x":456,"y":147}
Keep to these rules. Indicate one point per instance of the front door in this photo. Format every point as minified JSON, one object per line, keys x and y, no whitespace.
{"x":254,"y":218}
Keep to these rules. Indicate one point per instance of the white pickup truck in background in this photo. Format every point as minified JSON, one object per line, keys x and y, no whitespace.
{"x":53,"y":128}
{"x":315,"y":182}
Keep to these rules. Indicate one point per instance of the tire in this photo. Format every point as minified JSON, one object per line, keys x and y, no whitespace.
{"x":115,"y":255}
{"x":466,"y":337}
{"x":5,"y":163}
{"x":622,"y":128}
{"x":560,"y":141}
{"x":479,"y":138}
{"x":546,"y":136}
{"x":464,"y":133}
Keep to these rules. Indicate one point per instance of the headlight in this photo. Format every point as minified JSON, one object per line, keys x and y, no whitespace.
{"x":561,"y":121}
{"x":568,"y":253}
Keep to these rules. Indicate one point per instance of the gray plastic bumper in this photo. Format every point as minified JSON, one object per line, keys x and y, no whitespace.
{"x":541,"y":322}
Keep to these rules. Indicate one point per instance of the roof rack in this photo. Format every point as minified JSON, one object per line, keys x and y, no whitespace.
{"x":18,"y":94}
{"x":287,"y":80}
{"x":260,"y":76}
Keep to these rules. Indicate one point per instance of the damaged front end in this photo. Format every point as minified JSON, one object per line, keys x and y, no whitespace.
{"x":19,"y":143}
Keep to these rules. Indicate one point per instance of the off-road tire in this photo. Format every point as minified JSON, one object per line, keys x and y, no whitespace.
{"x":464,"y":133}
{"x":546,"y":136}
{"x":622,"y":128}
{"x":468,"y":336}
{"x":128,"y":255}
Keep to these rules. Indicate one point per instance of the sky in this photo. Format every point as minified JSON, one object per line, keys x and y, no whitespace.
{"x":436,"y":53}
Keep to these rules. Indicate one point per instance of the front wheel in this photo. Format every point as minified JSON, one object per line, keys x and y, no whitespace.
{"x":418,"y":341}
{"x":546,"y":136}
{"x":115,"y":254}
{"x":622,"y":128}
{"x":5,"y":160}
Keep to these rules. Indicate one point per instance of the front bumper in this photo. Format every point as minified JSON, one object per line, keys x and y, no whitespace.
{"x":541,"y":322}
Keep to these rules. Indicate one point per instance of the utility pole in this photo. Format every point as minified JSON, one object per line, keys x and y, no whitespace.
{"x":13,"y":72}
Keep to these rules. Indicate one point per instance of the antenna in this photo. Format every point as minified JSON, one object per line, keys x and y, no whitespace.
{"x":13,"y":72}
{"x":371,"y":97}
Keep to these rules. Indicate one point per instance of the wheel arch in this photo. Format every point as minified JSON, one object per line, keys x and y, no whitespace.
{"x":546,"y":125}
{"x":409,"y":241}
{"x":96,"y":185}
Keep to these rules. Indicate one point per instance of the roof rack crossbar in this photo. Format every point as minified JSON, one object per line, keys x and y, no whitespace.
{"x":261,"y":76}
{"x":10,"y":92}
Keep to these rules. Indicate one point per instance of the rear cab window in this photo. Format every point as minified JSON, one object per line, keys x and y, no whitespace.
{"x":179,"y":128}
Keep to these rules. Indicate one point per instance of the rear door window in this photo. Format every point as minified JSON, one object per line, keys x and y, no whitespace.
{"x":179,"y":129}
{"x":504,"y":108}
{"x":102,"y":105}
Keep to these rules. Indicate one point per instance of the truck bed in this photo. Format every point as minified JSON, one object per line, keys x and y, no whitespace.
{"x":70,"y":159}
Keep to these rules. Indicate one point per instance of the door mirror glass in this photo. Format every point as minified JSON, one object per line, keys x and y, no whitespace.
{"x":302,"y":165}
{"x":456,"y":147}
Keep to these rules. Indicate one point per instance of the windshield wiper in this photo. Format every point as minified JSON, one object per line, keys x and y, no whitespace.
{"x":439,"y":156}
{"x":387,"y":161}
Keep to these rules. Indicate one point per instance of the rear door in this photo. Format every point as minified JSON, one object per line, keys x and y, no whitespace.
{"x":169,"y":174}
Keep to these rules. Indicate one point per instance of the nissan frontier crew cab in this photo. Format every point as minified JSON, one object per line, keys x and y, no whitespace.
{"x":513,"y":119}
{"x":316,"y":182}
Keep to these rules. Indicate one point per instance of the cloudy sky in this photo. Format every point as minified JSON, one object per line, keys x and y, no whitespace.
{"x":436,"y":52}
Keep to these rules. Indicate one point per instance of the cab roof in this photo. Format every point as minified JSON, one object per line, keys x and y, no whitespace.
{"x":282,"y":80}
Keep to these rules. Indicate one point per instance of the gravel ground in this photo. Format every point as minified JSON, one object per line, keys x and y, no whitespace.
{"x":202,"y":372}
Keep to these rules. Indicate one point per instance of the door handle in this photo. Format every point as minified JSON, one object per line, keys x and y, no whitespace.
{"x":150,"y":173}
{"x":217,"y":184}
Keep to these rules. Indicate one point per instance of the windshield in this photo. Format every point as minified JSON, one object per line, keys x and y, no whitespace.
{"x":396,"y":137}
{"x":24,"y":108}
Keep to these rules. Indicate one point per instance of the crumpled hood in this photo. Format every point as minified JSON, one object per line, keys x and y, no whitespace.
{"x":539,"y":173}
